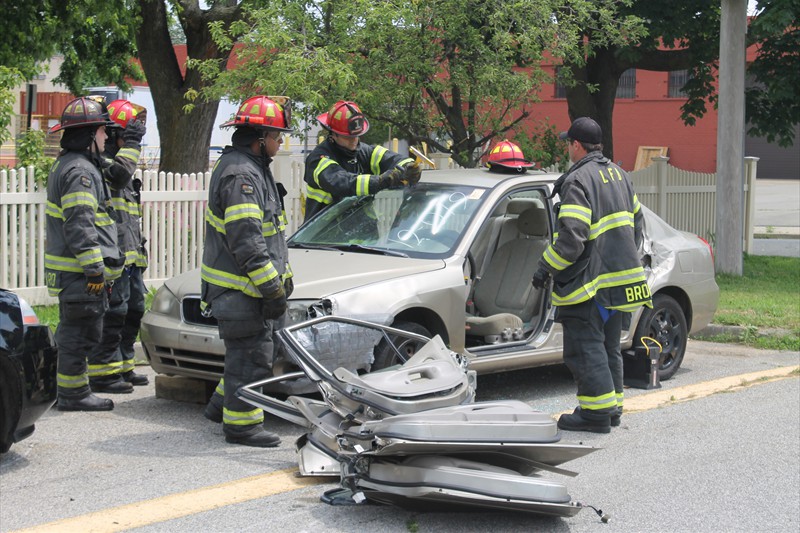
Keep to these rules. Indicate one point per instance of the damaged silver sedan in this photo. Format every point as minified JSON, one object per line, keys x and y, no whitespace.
{"x":451,"y":257}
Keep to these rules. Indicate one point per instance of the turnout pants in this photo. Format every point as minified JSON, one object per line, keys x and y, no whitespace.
{"x":78,"y":334}
{"x":592,"y":353}
{"x":105,"y":364}
{"x":133,"y":319}
{"x":249,"y":347}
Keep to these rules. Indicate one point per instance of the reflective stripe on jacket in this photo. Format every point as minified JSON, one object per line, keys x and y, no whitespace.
{"x":595,"y":253}
{"x":81,"y":232}
{"x":120,"y":164}
{"x":245,"y":242}
{"x":332,"y":174}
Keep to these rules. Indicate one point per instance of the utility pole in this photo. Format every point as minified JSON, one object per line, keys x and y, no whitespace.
{"x":730,"y":139}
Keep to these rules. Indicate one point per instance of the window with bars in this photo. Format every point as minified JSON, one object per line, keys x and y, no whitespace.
{"x":627,"y":84}
{"x":560,"y":91}
{"x":677,"y":79}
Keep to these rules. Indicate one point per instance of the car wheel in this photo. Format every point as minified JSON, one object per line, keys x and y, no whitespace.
{"x":666,"y":323}
{"x":385,"y":356}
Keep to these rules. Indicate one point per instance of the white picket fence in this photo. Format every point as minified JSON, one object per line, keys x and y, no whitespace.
{"x":173,"y":208}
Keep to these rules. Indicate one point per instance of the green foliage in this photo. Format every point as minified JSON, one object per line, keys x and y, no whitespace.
{"x":9,"y":79}
{"x":773,"y":105}
{"x":454,"y":73}
{"x":30,"y":152}
{"x":542,"y":145}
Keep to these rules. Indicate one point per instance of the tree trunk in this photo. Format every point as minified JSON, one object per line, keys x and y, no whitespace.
{"x":185,"y":138}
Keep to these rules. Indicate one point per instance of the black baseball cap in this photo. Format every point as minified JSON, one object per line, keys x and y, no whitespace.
{"x":585,"y":130}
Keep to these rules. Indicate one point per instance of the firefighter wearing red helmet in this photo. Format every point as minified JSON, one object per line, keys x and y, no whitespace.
{"x":507,"y":158}
{"x":342,"y":166}
{"x":246,"y":278}
{"x":81,"y":251}
{"x":111,"y":366}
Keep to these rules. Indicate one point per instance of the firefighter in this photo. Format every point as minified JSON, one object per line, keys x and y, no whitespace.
{"x":246,"y":278}
{"x":507,"y":158}
{"x":597,"y":274}
{"x":342,"y":166}
{"x":81,"y":253}
{"x":111,"y":367}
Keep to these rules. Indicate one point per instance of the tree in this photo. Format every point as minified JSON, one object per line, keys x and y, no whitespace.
{"x":680,"y":35}
{"x":452,"y":73}
{"x":773,"y":105}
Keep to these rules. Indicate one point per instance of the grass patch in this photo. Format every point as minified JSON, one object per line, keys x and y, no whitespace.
{"x":765,"y":300}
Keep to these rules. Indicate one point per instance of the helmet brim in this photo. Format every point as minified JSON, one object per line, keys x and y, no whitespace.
{"x":323,"y":121}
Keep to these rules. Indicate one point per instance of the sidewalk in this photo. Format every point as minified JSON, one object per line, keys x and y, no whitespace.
{"x":777,"y":218}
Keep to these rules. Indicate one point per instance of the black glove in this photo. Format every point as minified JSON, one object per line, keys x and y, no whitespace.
{"x":288,"y":287}
{"x":413,"y":173}
{"x":540,"y":277}
{"x":95,"y":284}
{"x":134,"y":132}
{"x":274,"y":305}
{"x":392,"y":178}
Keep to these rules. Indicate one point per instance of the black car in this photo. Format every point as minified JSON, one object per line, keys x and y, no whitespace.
{"x":27,"y":369}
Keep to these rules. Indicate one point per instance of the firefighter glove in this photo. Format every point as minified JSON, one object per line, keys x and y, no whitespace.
{"x":392,"y":178}
{"x":413,"y":173}
{"x":540,"y":277}
{"x":134,"y":132}
{"x":288,"y":287}
{"x":95,"y":284}
{"x":274,"y":305}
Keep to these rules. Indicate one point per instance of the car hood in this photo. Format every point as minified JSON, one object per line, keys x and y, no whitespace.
{"x":321,"y":273}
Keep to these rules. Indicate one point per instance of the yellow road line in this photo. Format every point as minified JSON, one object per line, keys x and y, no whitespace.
{"x":174,"y":506}
{"x":148,"y":512}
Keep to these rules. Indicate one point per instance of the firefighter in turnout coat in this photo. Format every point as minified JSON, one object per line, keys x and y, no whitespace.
{"x":81,"y":253}
{"x":597,"y":275}
{"x":342,"y":166}
{"x":246,"y":278}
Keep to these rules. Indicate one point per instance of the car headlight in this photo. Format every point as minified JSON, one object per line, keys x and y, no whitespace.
{"x":165,"y":302}
{"x":300,"y":310}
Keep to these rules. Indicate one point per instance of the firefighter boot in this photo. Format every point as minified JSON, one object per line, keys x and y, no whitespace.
{"x":115,"y":386}
{"x":616,"y":417}
{"x":135,"y":379}
{"x":213,"y":412}
{"x":262,"y":439}
{"x":579,"y":421}
{"x":89,"y":402}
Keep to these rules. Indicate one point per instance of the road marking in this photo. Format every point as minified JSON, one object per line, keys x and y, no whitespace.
{"x":148,"y":512}
{"x":174,"y":506}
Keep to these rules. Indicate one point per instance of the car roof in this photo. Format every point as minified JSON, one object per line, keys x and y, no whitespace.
{"x":481,"y":177}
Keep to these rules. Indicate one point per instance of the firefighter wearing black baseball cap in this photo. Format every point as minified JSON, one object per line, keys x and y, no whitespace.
{"x":597,"y":274}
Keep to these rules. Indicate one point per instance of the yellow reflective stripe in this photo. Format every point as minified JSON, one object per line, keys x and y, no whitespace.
{"x":242,"y":418}
{"x":268,"y":229}
{"x":264,"y":274}
{"x":128,"y":365}
{"x":554,"y":260}
{"x":603,"y":281}
{"x":112,"y":273}
{"x":129,"y":153}
{"x":614,"y":220}
{"x":287,"y":273}
{"x":54,"y":211}
{"x":324,"y":163}
{"x":121,"y":204}
{"x":78,"y":198}
{"x":240,"y":211}
{"x":66,"y":381}
{"x":620,"y":397}
{"x":362,"y":185}
{"x":375,"y":159}
{"x":214,"y":221}
{"x":90,"y":257}
{"x":103,"y":219}
{"x":220,"y":387}
{"x":636,"y":204}
{"x":229,"y":281}
{"x":318,"y":195}
{"x":584,"y":214}
{"x":405,"y":161}
{"x":63,"y":264}
{"x":593,"y":403}
{"x":107,"y":369}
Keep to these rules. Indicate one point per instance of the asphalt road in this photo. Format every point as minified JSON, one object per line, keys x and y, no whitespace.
{"x":700,"y":454}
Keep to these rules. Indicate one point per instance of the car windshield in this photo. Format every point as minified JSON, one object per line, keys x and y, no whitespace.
{"x":424,"y":221}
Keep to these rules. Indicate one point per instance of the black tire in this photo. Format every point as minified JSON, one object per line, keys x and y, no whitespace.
{"x":666,"y":323}
{"x":385,"y":356}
